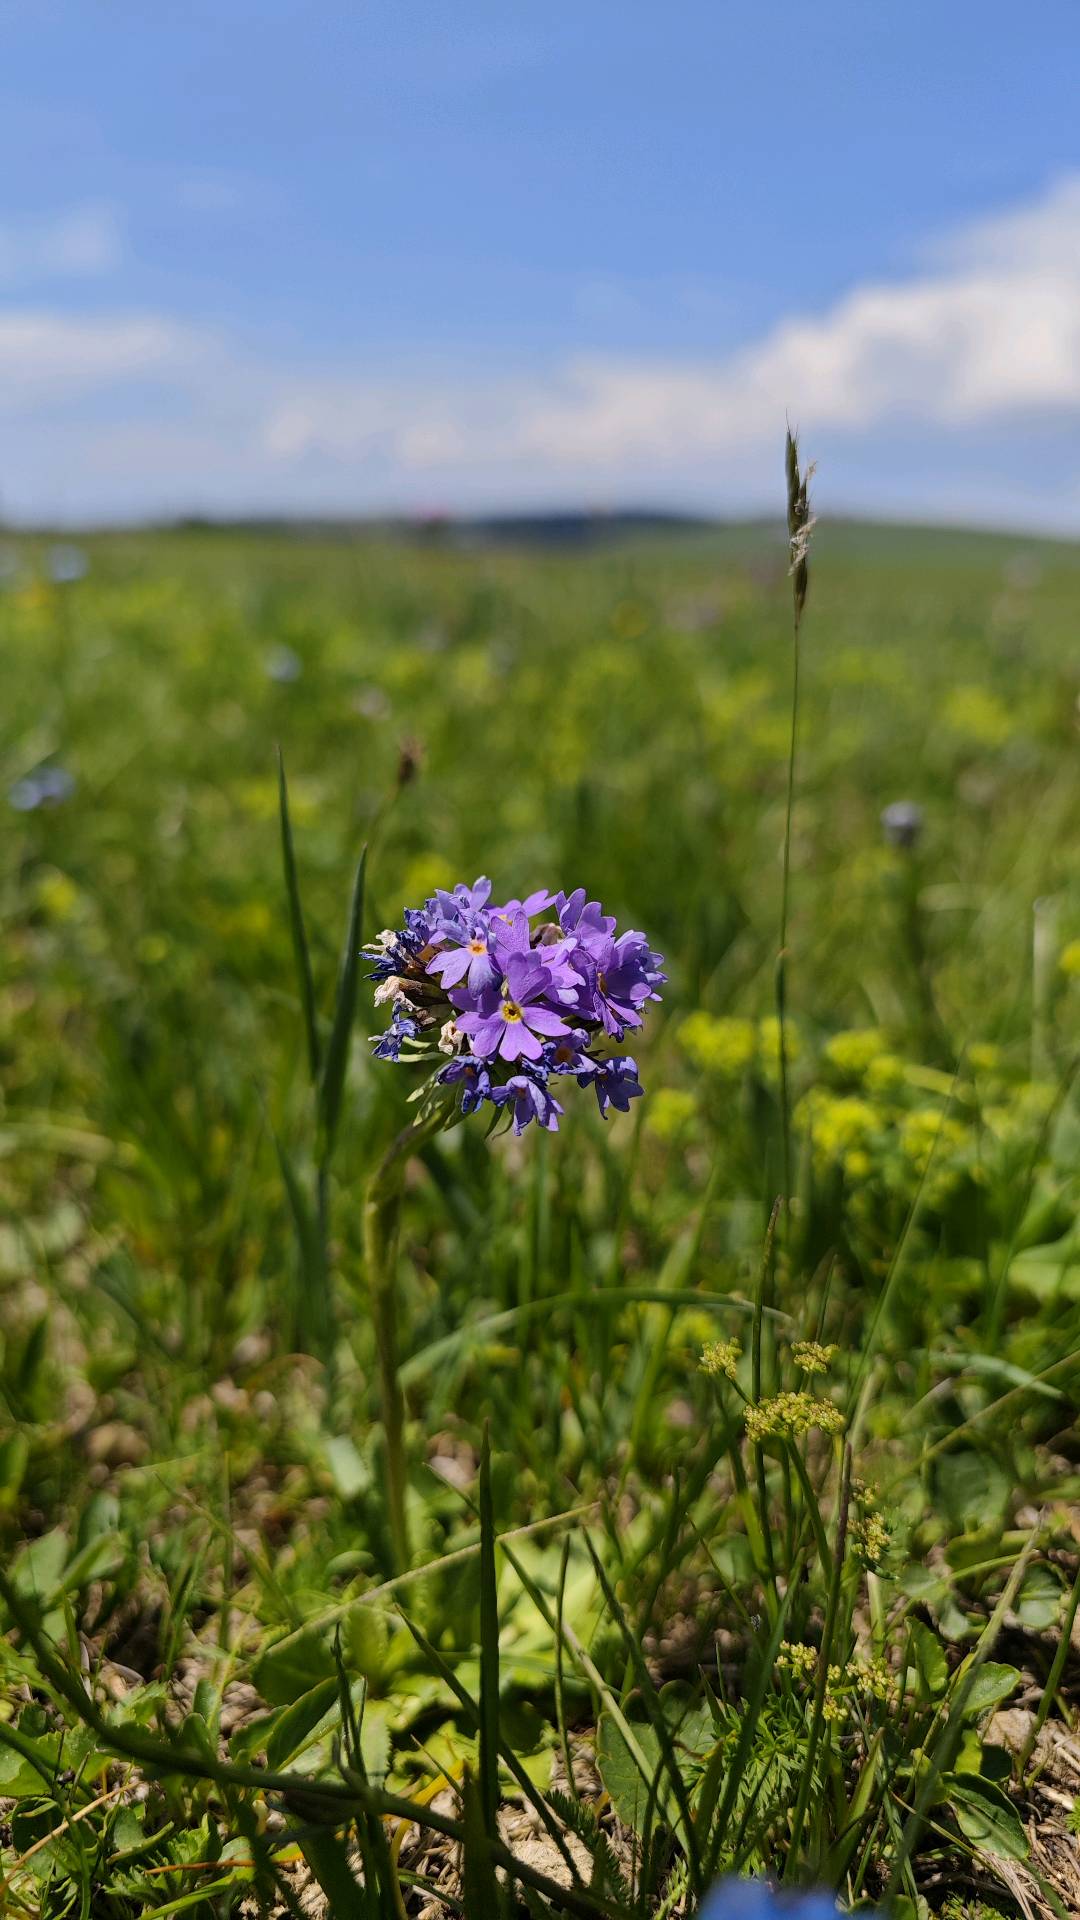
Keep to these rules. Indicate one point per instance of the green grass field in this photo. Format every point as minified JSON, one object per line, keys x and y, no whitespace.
{"x":820,"y":1638}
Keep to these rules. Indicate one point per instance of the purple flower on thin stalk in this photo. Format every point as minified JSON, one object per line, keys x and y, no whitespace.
{"x":528,"y":1100}
{"x":387,"y":1046}
{"x":615,"y":1083}
{"x":473,"y":961}
{"x":515,"y":1023}
{"x":463,"y":899}
{"x":514,"y":1003}
{"x":472,"y":1076}
{"x":618,"y":979}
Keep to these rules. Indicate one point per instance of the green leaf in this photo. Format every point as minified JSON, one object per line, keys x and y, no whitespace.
{"x":301,"y":953}
{"x":986,"y":1816}
{"x":19,"y":1777}
{"x":633,"y":1799}
{"x":283,"y":1673}
{"x":332,"y":1082}
{"x":930,"y":1661}
{"x":351,"y":1472}
{"x":292,"y":1726}
{"x":301,"y":1736}
{"x":1039,"y":1601}
{"x":328,"y":1858}
{"x":971,"y":1488}
{"x":992,"y":1685}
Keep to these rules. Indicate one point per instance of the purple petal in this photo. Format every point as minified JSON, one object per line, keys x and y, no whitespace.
{"x":542,"y":1020}
{"x":452,"y":966}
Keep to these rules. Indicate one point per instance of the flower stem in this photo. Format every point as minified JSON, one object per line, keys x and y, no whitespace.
{"x":382,"y":1213}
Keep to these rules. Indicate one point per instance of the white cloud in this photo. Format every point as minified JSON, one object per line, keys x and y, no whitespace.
{"x":994,"y":333}
{"x":79,"y":244}
{"x":983,"y":340}
{"x":49,"y":359}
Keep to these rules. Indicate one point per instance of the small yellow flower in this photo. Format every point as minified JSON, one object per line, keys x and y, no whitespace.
{"x":796,"y":1658}
{"x":854,"y":1052}
{"x":811,"y":1357}
{"x":977,"y":715}
{"x":787,"y":1416}
{"x":869,"y":1537}
{"x":1070,"y":959}
{"x":721,"y":1357}
{"x":671,"y":1112}
{"x":725,"y":1047}
{"x":769,"y":1035}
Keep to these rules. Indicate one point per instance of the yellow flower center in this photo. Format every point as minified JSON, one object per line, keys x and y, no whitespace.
{"x":511,"y":1010}
{"x":477,"y":946}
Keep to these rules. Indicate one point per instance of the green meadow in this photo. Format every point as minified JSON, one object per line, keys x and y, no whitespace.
{"x":741,"y":1539}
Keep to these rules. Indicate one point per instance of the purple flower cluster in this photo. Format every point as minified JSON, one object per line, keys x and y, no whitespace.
{"x":515,"y":1004}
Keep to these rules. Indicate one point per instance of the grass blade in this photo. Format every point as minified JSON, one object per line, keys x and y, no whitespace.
{"x":332,"y":1081}
{"x":651,"y":1702}
{"x":296,"y":925}
{"x":489,"y":1649}
{"x":313,"y":1274}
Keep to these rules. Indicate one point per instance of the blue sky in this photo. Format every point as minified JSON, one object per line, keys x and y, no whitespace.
{"x":353,"y":257}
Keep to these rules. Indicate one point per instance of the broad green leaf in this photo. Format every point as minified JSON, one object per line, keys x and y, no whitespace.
{"x":19,"y":1777}
{"x":930,"y":1661}
{"x":991,"y":1686}
{"x":282,"y":1674}
{"x":1040,"y":1598}
{"x":351,"y":1472}
{"x":986,"y":1816}
{"x":972,"y":1488}
{"x":635,"y":1805}
{"x":292,"y":1726}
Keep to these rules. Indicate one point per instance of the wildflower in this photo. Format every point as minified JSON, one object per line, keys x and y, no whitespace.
{"x":796,"y":1658}
{"x":737,"y":1899}
{"x":902,"y":824}
{"x":283,"y":666}
{"x":811,"y":1357}
{"x":473,"y":1077}
{"x":1069,"y":961}
{"x":725,"y":1047}
{"x":528,"y":1100}
{"x":868,"y":1534}
{"x":515,"y":1004}
{"x":614,"y":1082}
{"x":66,"y":563}
{"x":787,"y":1416}
{"x":769,"y":1037}
{"x":673,"y":1110}
{"x":853,"y":1052}
{"x":45,"y":787}
{"x":387,"y":1046}
{"x":721,"y":1357}
{"x":511,"y":1022}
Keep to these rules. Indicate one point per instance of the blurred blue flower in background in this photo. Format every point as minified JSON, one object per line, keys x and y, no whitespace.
{"x":66,"y":563}
{"x":283,"y":665}
{"x":45,"y":787}
{"x":902,"y":824}
{"x":756,"y":1900}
